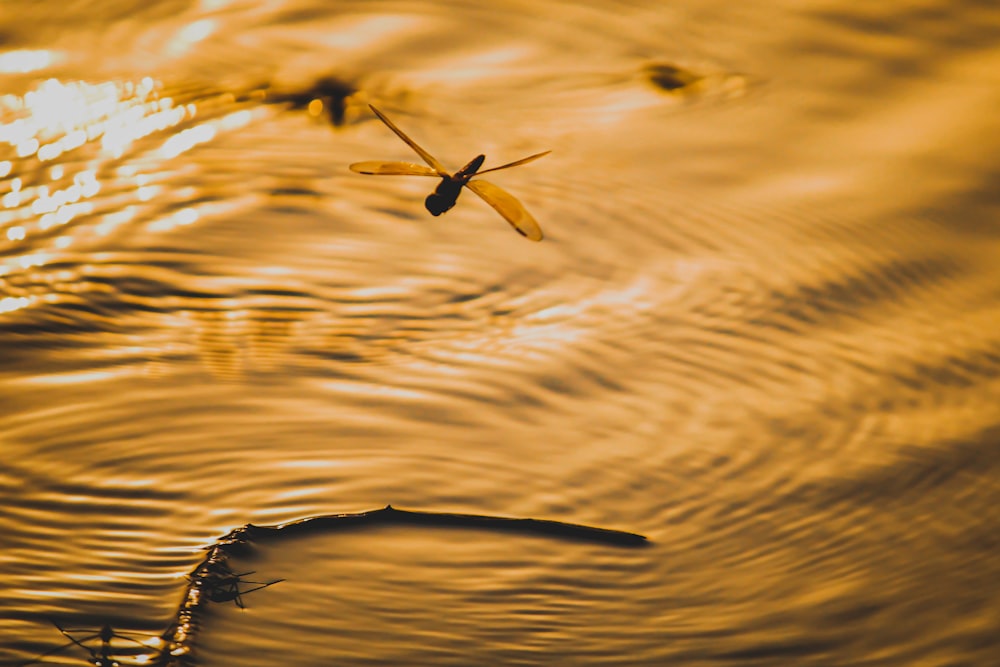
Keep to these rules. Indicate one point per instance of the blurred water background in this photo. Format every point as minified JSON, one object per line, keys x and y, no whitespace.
{"x":763,"y":329}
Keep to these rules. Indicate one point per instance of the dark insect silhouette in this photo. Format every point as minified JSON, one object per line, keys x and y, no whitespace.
{"x":444,"y":197}
{"x":226,"y":588}
{"x":101,"y":656}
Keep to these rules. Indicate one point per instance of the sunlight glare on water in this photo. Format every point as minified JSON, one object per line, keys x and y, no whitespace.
{"x":761,"y":329}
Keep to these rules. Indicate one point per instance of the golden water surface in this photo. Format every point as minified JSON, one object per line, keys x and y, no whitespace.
{"x":763,"y":328}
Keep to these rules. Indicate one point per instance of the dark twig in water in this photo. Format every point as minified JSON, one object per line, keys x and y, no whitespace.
{"x":213,"y":580}
{"x":389,"y":515}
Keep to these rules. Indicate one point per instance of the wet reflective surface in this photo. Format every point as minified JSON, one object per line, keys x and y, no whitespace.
{"x":763,"y":328}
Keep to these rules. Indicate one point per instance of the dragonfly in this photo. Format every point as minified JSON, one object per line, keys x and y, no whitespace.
{"x":446,"y":194}
{"x":100,"y":657}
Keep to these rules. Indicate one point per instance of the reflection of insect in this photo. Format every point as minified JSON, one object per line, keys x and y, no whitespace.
{"x":102,"y":658}
{"x":227,"y":588}
{"x":444,"y":197}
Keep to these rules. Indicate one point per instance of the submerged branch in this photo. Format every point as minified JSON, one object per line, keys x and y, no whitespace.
{"x":389,"y":515}
{"x":214,"y":572}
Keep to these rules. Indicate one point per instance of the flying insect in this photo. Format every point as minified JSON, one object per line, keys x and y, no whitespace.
{"x":447,"y":191}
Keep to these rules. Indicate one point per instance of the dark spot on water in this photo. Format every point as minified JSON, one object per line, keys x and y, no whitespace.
{"x":294,"y":192}
{"x":329,"y":90}
{"x":669,"y":77}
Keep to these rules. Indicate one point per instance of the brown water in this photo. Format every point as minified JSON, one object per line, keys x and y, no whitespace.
{"x":763,"y":329}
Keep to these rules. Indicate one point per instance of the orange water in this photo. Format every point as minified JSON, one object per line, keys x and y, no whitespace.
{"x":763,"y":328}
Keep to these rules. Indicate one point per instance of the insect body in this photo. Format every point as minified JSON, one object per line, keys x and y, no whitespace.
{"x":446,"y":193}
{"x":227,"y":588}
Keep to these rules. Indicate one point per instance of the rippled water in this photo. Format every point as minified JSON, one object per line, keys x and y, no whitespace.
{"x":763,"y":328}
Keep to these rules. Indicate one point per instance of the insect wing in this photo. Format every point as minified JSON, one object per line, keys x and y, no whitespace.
{"x":525,"y":160}
{"x":427,"y":157}
{"x":377,"y":168}
{"x":509,"y":207}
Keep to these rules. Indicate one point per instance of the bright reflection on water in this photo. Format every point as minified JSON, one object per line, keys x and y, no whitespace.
{"x":24,"y":61}
{"x":763,"y":329}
